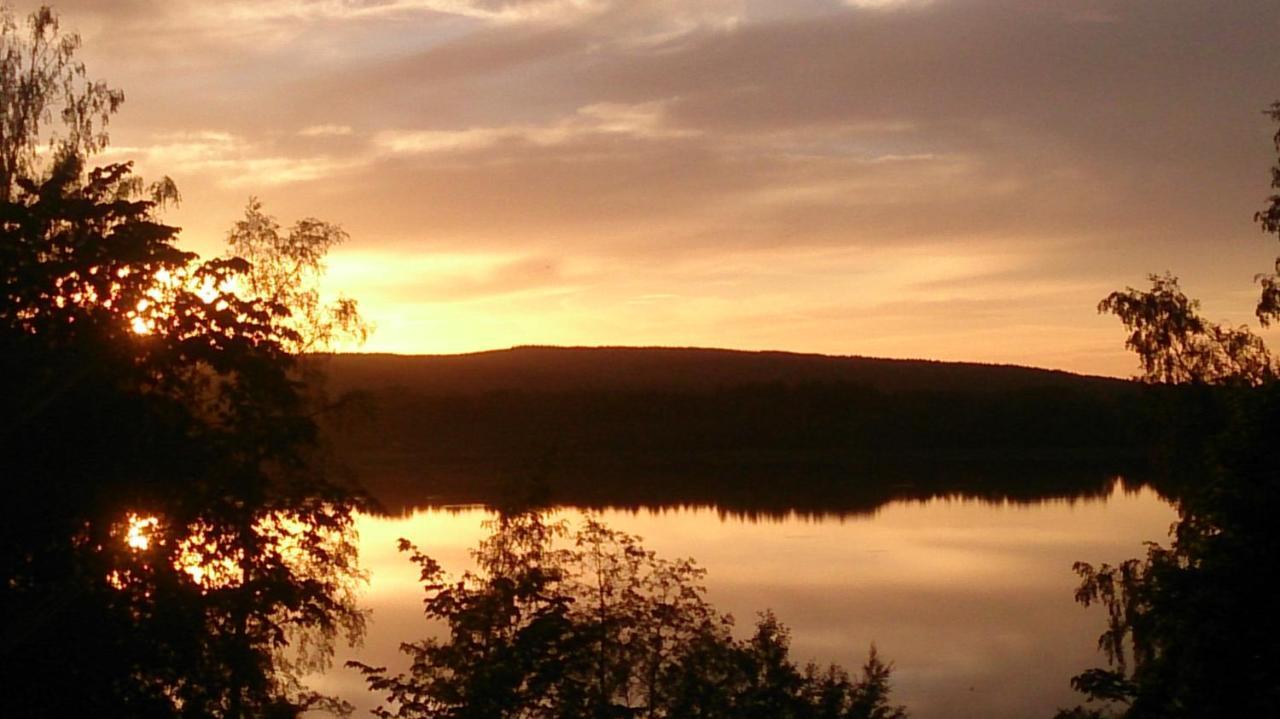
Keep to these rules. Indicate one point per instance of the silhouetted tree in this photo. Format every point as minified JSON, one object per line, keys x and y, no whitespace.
{"x":40,"y":79}
{"x":595,"y":625}
{"x":147,"y":402}
{"x":1268,"y":219}
{"x":286,"y":268}
{"x":1176,"y":345}
{"x":171,"y":545}
{"x":1192,"y":629}
{"x":869,"y":699}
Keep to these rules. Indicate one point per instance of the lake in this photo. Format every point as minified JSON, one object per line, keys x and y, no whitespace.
{"x":971,"y":599}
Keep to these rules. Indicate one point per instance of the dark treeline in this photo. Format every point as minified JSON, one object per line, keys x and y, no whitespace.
{"x":774,"y":447}
{"x":763,"y":418}
{"x":544,"y":369}
{"x":780,"y":486}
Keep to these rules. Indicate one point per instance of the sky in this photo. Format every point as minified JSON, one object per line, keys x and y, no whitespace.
{"x":945,"y":179}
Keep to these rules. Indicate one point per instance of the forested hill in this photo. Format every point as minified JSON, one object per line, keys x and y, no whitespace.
{"x":664,"y":369}
{"x":752,"y":430}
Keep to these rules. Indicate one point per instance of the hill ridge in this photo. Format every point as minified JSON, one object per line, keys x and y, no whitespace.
{"x":553,"y":368}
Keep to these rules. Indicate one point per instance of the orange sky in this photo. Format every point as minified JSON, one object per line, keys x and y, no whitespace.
{"x":955,"y":179}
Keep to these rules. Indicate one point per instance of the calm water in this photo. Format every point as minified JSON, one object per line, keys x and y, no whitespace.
{"x":972,"y":600}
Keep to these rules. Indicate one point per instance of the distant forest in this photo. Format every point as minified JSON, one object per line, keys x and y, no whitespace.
{"x":755,"y":431}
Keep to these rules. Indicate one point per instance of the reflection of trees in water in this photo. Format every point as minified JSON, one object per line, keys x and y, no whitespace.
{"x":768,"y":449}
{"x":1192,"y":629}
{"x":753,"y":490}
{"x":592,"y":624}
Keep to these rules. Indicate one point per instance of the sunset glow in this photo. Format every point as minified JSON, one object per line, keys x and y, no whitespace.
{"x":555,"y":358}
{"x":957,"y":179}
{"x":207,"y":563}
{"x":199,"y":555}
{"x":138,"y":534}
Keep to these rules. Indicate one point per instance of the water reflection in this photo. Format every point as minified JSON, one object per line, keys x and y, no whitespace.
{"x":754,"y":490}
{"x":971,"y":599}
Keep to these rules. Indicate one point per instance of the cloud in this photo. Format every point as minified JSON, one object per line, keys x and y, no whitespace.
{"x":641,"y":121}
{"x":345,"y":10}
{"x":886,"y":4}
{"x":444,"y":277}
{"x":232,"y":161}
{"x":325,"y":131}
{"x":741,"y":155}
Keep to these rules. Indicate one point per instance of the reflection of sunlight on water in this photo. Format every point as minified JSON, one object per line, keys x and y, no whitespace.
{"x":972,"y":600}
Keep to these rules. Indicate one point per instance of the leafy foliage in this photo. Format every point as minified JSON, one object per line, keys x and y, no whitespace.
{"x":173,"y":545}
{"x":1176,"y":345}
{"x":286,"y":268}
{"x":145,"y":397}
{"x":595,"y":625}
{"x":1191,"y":628}
{"x":1268,"y":219}
{"x":40,"y":77}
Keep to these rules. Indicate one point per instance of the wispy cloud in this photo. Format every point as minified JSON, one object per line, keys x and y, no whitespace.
{"x":325,"y":131}
{"x":232,"y":161}
{"x":492,"y":10}
{"x":640,"y":121}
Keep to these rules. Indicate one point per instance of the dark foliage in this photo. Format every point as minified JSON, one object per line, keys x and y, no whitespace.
{"x":1192,"y":629}
{"x":779,"y":417}
{"x":783,"y":445}
{"x":169,"y":546}
{"x":598,"y":626}
{"x":1178,"y":346}
{"x":1268,"y":219}
{"x":166,"y":534}
{"x":40,"y":80}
